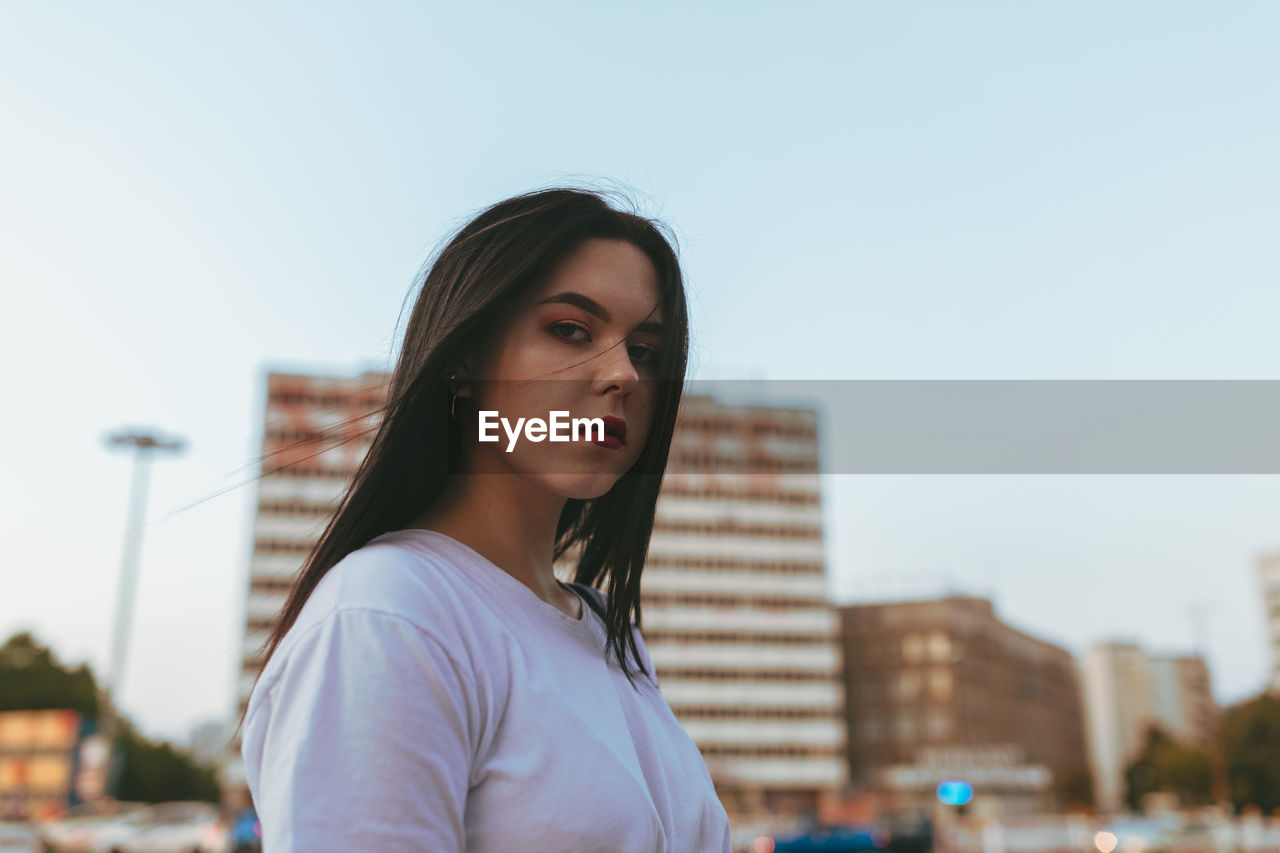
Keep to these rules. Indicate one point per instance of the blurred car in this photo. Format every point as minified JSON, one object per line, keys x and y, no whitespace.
{"x":19,"y":838}
{"x":246,"y":833}
{"x":1144,"y":834}
{"x":109,"y":835}
{"x":73,"y":830}
{"x":1195,"y":838}
{"x":890,"y":836}
{"x":176,"y":827}
{"x":832,"y":839}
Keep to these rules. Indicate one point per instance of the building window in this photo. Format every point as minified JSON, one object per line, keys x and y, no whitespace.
{"x":941,"y":684}
{"x":912,"y":648}
{"x":871,"y":729}
{"x":939,"y":645}
{"x":908,"y":684}
{"x":868,"y":690}
{"x":904,"y":727}
{"x":937,"y":725}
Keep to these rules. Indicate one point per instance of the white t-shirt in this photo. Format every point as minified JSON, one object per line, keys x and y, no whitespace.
{"x":426,"y":700}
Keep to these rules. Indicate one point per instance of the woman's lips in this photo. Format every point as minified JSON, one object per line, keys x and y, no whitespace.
{"x":615,"y":433}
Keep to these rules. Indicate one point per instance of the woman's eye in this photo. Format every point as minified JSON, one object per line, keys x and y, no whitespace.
{"x":570,"y":331}
{"x":644,"y":355}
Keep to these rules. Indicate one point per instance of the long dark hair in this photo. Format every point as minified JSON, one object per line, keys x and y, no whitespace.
{"x":482,"y":270}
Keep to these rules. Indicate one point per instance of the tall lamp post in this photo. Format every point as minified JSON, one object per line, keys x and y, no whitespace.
{"x":144,"y":445}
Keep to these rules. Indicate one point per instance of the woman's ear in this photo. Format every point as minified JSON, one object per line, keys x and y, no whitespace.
{"x":458,"y":374}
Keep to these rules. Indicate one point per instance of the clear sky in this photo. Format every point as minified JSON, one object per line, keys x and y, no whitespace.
{"x":190,"y":195}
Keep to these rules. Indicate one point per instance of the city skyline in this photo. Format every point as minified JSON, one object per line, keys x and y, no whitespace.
{"x":878,"y":193}
{"x":909,"y":588}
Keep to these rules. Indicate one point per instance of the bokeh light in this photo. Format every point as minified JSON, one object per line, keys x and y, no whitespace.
{"x":955,"y":793}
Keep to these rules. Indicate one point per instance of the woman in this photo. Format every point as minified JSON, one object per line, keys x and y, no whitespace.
{"x":431,"y":685}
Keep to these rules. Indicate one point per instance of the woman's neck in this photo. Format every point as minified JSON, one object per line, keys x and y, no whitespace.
{"x":508,"y":522}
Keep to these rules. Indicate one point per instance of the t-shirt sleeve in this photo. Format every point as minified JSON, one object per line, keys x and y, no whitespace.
{"x":364,"y":741}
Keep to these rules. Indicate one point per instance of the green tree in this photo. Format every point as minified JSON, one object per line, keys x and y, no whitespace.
{"x":155,"y":772}
{"x":33,"y":679}
{"x":1166,"y":765}
{"x":1075,"y":787}
{"x":1251,"y":746}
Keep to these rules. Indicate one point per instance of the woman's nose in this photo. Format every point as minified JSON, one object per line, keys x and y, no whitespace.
{"x":617,"y":368}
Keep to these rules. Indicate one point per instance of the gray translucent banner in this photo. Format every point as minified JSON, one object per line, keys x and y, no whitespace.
{"x":1025,"y":426}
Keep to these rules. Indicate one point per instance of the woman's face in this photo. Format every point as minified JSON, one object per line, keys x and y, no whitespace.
{"x":588,"y":342}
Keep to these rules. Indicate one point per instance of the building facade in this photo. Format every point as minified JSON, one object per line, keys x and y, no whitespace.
{"x":735,"y":612}
{"x":734,"y":609}
{"x":1269,"y":584}
{"x":942,"y":690}
{"x":50,"y":760}
{"x":316,"y":432}
{"x":1126,"y":692}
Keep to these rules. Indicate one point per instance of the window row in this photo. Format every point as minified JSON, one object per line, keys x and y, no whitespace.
{"x":296,"y":508}
{"x":260,"y":623}
{"x":337,"y":434}
{"x":667,"y":675}
{"x":270,"y":586}
{"x":727,"y":712}
{"x":934,"y":724}
{"x":906,"y":686}
{"x":722,"y":564}
{"x":728,"y":638}
{"x":730,"y":600}
{"x":327,"y":401}
{"x":729,"y":527}
{"x":766,"y":496}
{"x":680,"y":460}
{"x":739,"y":426}
{"x":282,"y":546}
{"x":746,"y":750}
{"x":911,"y":648}
{"x":935,"y":646}
{"x":303,"y":471}
{"x":253,"y":665}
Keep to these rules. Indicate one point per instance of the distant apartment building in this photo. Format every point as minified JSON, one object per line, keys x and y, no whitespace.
{"x":734,"y":607}
{"x":305,"y":471}
{"x":1269,"y":582}
{"x":942,"y":690}
{"x":1126,"y":692}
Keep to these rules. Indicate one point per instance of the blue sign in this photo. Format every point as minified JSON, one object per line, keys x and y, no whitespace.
{"x":955,"y":793}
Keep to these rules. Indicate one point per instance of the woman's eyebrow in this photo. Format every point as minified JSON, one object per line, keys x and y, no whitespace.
{"x":586,"y":303}
{"x":652,"y":327}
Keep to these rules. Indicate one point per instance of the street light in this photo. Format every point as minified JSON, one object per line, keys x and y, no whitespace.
{"x":143,"y":444}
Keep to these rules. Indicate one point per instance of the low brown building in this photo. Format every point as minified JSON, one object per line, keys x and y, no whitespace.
{"x":942,"y":690}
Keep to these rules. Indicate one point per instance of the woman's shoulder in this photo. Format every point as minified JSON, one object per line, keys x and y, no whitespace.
{"x":394,"y":591}
{"x":394,"y":576}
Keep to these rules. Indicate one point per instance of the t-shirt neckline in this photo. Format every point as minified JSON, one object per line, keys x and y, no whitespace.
{"x":504,"y":578}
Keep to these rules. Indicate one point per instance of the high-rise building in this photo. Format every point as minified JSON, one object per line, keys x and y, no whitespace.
{"x":1126,"y":692}
{"x":735,"y":609}
{"x":942,"y":690}
{"x":317,"y":430}
{"x":1269,"y":581}
{"x":733,"y":605}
